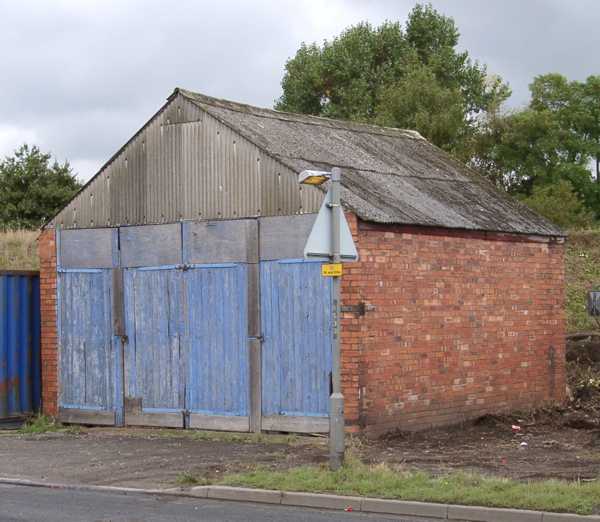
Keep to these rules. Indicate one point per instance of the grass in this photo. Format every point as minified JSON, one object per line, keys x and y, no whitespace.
{"x":188,"y":479}
{"x":43,"y":424}
{"x":582,"y":264}
{"x":18,"y":250}
{"x":358,"y":479}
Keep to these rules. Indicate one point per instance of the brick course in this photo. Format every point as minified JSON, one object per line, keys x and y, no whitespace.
{"x":49,"y":340}
{"x":464,"y":323}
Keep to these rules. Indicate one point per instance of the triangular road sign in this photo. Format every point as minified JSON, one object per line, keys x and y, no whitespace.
{"x":318,"y":245}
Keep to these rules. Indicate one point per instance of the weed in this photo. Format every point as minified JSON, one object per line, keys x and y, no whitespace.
{"x":44,"y":424}
{"x":187,"y":478}
{"x":40,"y":424}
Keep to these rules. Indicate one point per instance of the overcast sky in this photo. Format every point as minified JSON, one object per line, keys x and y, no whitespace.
{"x":78,"y":77}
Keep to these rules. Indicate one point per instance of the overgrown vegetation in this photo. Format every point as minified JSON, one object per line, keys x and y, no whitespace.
{"x":356,"y":478}
{"x":43,"y":424}
{"x":18,"y":250}
{"x":582,"y":274}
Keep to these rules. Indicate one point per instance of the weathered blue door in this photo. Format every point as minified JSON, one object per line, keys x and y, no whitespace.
{"x":296,"y":355}
{"x":216,"y":325}
{"x":216,"y":346}
{"x":89,"y":366}
{"x":154,"y":362}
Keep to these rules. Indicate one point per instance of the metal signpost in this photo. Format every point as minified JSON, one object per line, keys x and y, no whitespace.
{"x":331,"y":238}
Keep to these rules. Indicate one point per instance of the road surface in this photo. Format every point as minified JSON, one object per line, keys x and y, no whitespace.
{"x":32,"y":504}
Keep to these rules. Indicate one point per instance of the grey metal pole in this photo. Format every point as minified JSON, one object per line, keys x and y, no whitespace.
{"x":336,"y":400}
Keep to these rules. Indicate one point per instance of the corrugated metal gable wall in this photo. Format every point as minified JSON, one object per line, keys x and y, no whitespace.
{"x":185,"y":164}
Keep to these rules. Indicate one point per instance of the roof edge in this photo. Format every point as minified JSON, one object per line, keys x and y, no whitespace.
{"x":109,"y":161}
{"x":308,"y":119}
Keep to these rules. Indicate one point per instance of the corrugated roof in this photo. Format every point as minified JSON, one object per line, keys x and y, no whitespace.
{"x":389,"y":175}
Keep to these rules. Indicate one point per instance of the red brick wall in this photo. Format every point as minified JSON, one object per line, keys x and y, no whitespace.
{"x":463,"y":324}
{"x":49,"y":341}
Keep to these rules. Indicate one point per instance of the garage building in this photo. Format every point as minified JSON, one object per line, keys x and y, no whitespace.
{"x":174,"y":290}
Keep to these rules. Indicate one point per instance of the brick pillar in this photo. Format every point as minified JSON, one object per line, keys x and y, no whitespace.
{"x":351,"y":337}
{"x":49,"y":341}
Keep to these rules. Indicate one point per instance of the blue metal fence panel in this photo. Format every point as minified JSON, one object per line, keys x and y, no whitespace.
{"x":87,"y":365}
{"x":19,"y":343}
{"x":296,"y":324}
{"x":153,"y":361}
{"x":217,"y":339}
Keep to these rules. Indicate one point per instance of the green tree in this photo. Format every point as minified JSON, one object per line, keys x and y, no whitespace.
{"x":397,"y":76}
{"x":560,"y":204}
{"x":33,"y":188}
{"x":552,"y":140}
{"x":587,"y":118}
{"x":420,"y":102}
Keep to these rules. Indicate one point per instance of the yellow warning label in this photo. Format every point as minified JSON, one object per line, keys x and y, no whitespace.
{"x":331,"y":270}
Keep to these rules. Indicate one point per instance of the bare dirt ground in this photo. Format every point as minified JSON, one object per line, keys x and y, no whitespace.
{"x":143,"y":457}
{"x":158,"y":458}
{"x":546,"y":447}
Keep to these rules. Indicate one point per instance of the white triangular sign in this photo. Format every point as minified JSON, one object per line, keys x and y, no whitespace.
{"x":318,"y":245}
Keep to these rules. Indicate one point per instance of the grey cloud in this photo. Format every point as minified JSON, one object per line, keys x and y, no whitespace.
{"x":84,"y":76}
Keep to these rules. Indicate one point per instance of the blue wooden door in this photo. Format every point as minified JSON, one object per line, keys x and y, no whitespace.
{"x":154,"y":365}
{"x":216,"y":346}
{"x":296,"y":356}
{"x":89,"y":362}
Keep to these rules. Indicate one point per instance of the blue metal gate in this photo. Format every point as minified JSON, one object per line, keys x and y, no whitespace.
{"x":19,"y":343}
{"x":296,"y":357}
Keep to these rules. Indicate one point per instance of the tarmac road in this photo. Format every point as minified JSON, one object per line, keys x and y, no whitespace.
{"x":32,"y":504}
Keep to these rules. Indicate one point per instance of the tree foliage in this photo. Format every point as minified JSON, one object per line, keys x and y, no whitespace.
{"x":33,"y":188}
{"x":555,"y":139}
{"x":396,"y":76}
{"x":560,"y":204}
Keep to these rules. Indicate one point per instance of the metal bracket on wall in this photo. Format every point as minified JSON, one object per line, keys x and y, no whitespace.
{"x":360,"y":309}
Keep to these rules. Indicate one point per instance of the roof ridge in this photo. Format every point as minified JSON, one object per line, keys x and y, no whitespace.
{"x":308,"y":119}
